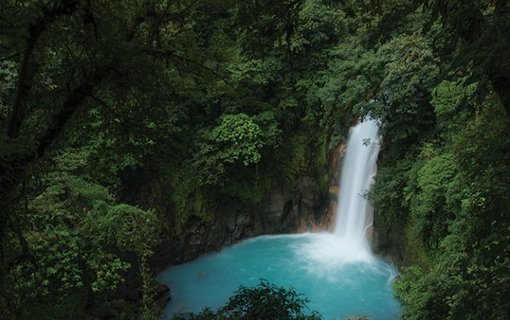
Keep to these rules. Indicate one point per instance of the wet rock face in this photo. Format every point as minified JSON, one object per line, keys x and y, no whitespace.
{"x":391,"y":244}
{"x":234,"y":223}
{"x":280,"y":211}
{"x":161,"y":296}
{"x":286,"y":209}
{"x":275,"y":208}
{"x":310,"y":198}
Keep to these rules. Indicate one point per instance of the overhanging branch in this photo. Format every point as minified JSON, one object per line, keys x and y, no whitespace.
{"x":28,"y":67}
{"x":168,"y":54}
{"x":69,"y":107}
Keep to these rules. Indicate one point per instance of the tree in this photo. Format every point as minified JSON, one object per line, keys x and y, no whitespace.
{"x":480,"y":26}
{"x":73,"y":239}
{"x":65,"y":58}
{"x":75,"y":53}
{"x":265,"y":301}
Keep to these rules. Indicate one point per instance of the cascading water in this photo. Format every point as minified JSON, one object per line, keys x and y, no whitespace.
{"x":348,"y":243}
{"x":335,"y":271}
{"x":358,"y":171}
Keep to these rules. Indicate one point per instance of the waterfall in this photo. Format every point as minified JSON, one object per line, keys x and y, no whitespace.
{"x":348,"y":243}
{"x":357,"y":175}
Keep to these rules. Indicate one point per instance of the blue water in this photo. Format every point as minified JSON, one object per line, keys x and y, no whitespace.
{"x":310,"y":263}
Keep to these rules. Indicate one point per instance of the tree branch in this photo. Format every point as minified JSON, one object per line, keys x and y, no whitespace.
{"x":28,"y":68}
{"x":10,"y":56}
{"x":171,"y":55}
{"x":71,"y":104}
{"x":158,"y":17}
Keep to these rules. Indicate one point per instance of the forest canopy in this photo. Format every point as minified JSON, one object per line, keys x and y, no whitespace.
{"x":226,"y":99}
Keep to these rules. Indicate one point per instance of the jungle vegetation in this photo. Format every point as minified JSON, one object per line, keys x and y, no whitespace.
{"x":228,"y":98}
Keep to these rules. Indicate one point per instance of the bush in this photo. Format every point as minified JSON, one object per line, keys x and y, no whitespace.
{"x":265,"y":301}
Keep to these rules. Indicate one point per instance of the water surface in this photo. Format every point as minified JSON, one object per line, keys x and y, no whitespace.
{"x":337,"y":281}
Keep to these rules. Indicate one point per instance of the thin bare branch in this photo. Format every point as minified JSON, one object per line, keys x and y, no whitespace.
{"x":8,"y":57}
{"x":171,"y":55}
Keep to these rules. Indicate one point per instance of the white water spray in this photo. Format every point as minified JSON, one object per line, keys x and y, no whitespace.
{"x":358,"y":172}
{"x":348,"y":243}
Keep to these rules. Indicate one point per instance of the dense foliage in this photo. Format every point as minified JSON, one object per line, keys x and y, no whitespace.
{"x":213,"y":100}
